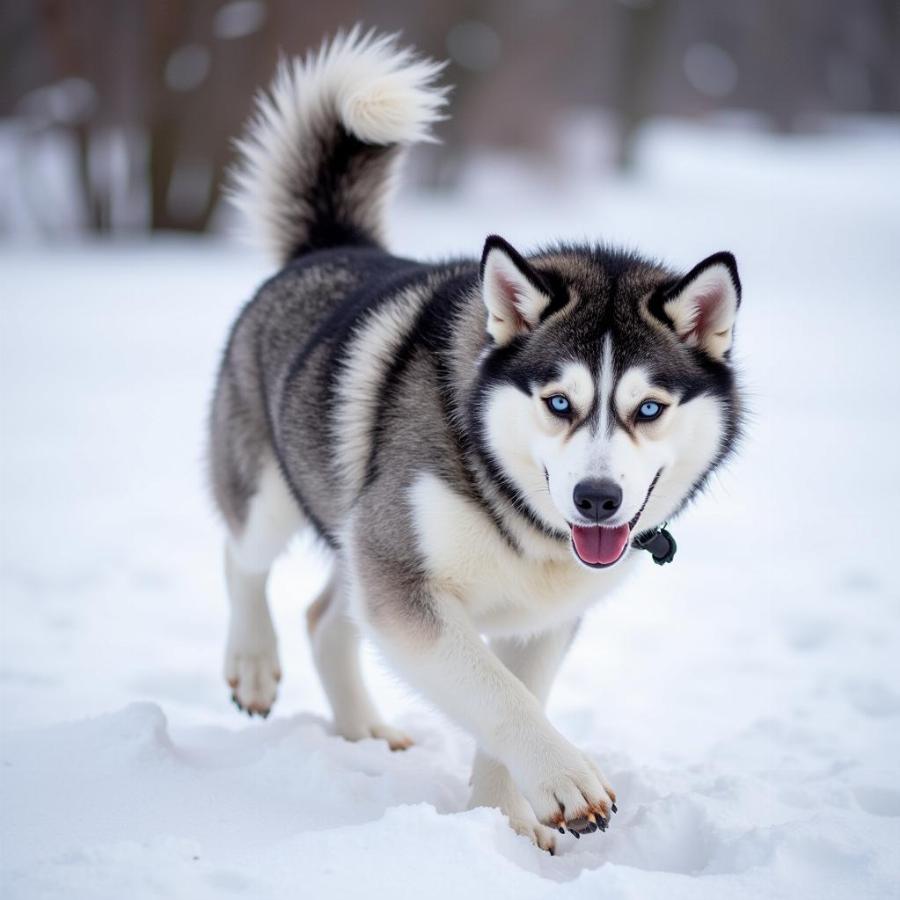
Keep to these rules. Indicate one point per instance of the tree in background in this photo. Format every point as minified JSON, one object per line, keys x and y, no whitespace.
{"x":140,"y":98}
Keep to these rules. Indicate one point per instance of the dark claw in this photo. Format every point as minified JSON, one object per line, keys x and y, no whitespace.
{"x":577,"y":835}
{"x":582,"y":824}
{"x":551,"y":851}
{"x":562,"y":830}
{"x":265,"y":714}
{"x":615,"y":808}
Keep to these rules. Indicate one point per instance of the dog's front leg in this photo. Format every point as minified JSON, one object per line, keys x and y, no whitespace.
{"x":535,"y":663}
{"x":429,"y":637}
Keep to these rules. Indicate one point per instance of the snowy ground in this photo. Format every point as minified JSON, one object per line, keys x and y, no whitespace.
{"x":745,"y":701}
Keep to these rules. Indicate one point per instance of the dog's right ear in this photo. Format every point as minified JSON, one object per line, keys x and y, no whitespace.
{"x":513,"y":291}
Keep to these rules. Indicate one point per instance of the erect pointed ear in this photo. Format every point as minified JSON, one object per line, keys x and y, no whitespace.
{"x":514,"y":292}
{"x":702,"y":307}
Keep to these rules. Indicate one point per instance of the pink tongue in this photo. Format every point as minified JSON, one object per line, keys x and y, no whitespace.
{"x":600,"y":546}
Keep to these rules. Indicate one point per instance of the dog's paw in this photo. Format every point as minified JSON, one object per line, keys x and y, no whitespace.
{"x":492,"y":786}
{"x":541,"y":836}
{"x":396,"y":739}
{"x":253,"y":677}
{"x":360,"y":731}
{"x":574,"y":795}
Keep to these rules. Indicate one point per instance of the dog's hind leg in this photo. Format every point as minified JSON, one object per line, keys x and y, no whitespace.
{"x":335,"y":642}
{"x":252,"y":667}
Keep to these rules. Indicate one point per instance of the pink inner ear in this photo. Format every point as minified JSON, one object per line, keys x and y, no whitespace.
{"x":705,"y":310}
{"x":512,"y":299}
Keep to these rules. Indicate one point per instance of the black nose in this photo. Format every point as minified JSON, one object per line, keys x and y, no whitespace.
{"x":597,"y":498}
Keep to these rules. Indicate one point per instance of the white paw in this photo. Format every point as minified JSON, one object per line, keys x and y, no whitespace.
{"x":253,"y":674}
{"x":360,"y":731}
{"x":492,"y":786}
{"x":540,"y":835}
{"x":396,"y":739}
{"x":567,"y":791}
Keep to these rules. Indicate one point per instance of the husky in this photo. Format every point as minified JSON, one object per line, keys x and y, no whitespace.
{"x":484,"y":445}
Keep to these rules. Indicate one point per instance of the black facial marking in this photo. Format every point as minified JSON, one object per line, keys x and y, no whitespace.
{"x":559,"y":293}
{"x":617,"y":420}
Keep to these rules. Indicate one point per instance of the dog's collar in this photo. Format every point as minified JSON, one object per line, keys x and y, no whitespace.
{"x":659,"y":544}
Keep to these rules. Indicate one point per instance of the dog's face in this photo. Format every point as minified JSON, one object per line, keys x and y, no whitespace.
{"x":606,"y":396}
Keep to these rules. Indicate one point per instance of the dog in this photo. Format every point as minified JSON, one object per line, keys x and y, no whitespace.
{"x":484,"y":445}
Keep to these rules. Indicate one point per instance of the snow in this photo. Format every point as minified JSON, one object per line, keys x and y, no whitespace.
{"x":744,"y":701}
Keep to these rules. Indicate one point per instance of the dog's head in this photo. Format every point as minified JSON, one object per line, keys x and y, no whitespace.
{"x":606,"y":395}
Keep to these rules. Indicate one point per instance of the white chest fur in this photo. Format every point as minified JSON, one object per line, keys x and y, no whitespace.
{"x":505,"y":592}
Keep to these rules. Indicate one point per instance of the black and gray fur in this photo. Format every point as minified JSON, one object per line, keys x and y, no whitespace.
{"x":276,"y":387}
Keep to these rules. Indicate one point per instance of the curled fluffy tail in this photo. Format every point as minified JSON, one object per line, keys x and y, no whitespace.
{"x":317,"y":159}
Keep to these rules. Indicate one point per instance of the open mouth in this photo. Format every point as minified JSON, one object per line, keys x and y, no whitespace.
{"x":601,"y":546}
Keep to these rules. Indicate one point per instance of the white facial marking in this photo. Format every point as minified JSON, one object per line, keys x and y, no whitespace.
{"x":518,"y":433}
{"x":605,"y":385}
{"x":634,"y":387}
{"x":576,"y":383}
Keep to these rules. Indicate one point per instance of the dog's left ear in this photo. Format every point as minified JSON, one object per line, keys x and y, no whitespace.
{"x":514,"y":292}
{"x":703,"y":306}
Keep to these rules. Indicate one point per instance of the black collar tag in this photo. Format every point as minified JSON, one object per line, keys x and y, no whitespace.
{"x":659,"y":544}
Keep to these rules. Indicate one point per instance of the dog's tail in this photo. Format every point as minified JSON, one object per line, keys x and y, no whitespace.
{"x":316,"y":161}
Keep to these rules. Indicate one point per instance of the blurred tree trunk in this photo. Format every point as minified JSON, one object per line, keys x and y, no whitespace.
{"x":776,"y":38}
{"x":643,"y":40}
{"x":61,"y":36}
{"x":93,"y":201}
{"x":168,"y":26}
{"x":886,"y":83}
{"x":162,"y":138}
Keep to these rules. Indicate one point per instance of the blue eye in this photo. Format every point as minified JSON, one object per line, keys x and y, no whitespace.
{"x":650,"y":409}
{"x":559,"y":404}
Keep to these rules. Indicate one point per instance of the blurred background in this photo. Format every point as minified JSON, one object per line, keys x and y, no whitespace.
{"x":116,"y":115}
